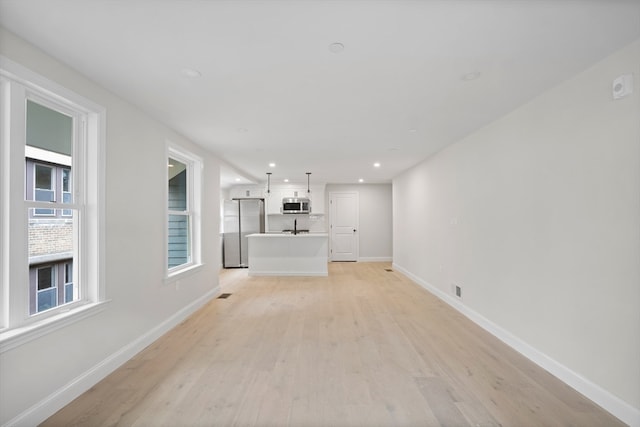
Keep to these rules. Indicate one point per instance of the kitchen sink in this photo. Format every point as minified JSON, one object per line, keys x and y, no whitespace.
{"x":298,"y":232}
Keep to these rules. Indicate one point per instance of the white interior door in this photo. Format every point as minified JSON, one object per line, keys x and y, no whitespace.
{"x":343,"y":219}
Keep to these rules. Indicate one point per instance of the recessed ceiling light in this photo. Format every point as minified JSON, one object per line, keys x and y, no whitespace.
{"x":272,"y":165}
{"x":286,"y":180}
{"x":237,"y":179}
{"x":336,"y":47}
{"x":361,"y":180}
{"x":471,"y":76}
{"x":376,"y":165}
{"x":190,"y":73}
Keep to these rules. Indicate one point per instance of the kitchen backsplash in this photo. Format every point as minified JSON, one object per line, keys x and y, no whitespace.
{"x":313,"y":223}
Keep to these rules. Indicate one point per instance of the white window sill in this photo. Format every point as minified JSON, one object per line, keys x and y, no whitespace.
{"x":183,"y":272}
{"x":16,"y":337}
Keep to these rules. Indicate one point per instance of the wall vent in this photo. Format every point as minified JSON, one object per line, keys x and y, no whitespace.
{"x":457,"y":291}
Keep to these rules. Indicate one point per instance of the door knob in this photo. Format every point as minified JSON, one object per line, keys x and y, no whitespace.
{"x":354,"y":230}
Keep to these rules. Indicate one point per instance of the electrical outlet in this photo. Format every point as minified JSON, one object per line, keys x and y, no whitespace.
{"x":622,"y":86}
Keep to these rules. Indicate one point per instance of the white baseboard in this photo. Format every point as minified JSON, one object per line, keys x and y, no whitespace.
{"x":375,"y":259}
{"x":64,"y":395}
{"x":616,"y":406}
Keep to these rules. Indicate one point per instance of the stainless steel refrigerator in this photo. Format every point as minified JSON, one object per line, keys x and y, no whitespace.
{"x":241,"y":218}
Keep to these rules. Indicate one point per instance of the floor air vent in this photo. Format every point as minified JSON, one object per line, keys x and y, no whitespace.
{"x":224,"y":296}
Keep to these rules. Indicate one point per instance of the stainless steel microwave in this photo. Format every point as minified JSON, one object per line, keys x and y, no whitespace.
{"x":296,"y":205}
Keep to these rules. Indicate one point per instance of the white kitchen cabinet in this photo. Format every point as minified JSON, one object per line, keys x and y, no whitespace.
{"x":244,"y":191}
{"x":317,"y":199}
{"x":273,"y":202}
{"x":293,"y":192}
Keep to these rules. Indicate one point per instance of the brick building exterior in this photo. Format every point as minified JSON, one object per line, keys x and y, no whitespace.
{"x":49,"y":237}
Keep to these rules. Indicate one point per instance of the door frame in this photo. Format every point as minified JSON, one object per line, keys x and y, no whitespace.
{"x":357,"y":226}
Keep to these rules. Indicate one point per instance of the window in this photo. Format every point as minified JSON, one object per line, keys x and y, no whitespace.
{"x":66,"y":189}
{"x":184,"y":172}
{"x":51,"y":285}
{"x":68,"y":282}
{"x":50,"y":221}
{"x":44,"y":190}
{"x":46,"y":181}
{"x":47,"y":290}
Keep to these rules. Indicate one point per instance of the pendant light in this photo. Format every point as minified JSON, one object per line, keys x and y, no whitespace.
{"x":308,"y":188}
{"x":268,"y":184}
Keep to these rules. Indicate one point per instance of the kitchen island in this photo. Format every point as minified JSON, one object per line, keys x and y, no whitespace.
{"x":286,"y":254}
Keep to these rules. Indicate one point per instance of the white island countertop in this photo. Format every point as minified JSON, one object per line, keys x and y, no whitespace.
{"x":286,"y":254}
{"x":287,"y":234}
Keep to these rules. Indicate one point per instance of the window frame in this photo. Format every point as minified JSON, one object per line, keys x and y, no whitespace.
{"x":17,"y":85}
{"x":194,"y":168}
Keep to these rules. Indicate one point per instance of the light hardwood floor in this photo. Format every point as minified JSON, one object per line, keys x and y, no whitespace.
{"x":362,"y":347}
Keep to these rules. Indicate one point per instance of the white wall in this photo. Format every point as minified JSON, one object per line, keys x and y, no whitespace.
{"x":375,"y":219}
{"x":537,"y":217}
{"x":45,"y":373}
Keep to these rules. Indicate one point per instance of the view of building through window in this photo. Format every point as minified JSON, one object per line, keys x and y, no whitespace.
{"x":179,"y":223}
{"x":51,"y":231}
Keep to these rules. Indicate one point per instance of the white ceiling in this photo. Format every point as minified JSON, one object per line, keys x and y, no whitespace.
{"x":271,"y":90}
